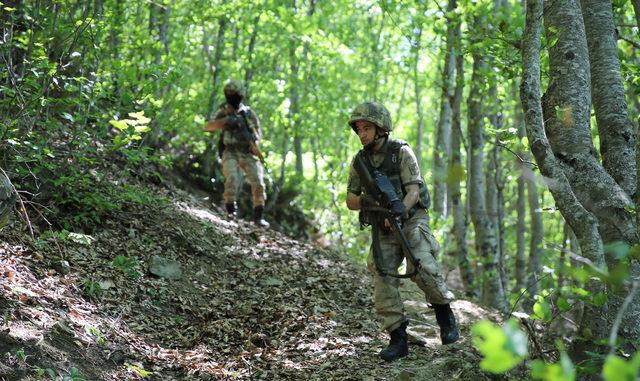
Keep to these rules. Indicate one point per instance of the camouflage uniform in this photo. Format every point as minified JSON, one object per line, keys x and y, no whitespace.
{"x":236,"y":158}
{"x":394,"y":159}
{"x":387,"y":299}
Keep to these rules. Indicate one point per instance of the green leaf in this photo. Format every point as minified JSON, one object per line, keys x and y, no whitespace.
{"x":141,"y":129}
{"x":600,"y":299}
{"x":119,"y":124}
{"x":616,"y":369}
{"x":502,"y":347}
{"x":542,"y":310}
{"x":563,"y":304}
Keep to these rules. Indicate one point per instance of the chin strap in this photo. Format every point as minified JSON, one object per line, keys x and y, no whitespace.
{"x":376,"y":141}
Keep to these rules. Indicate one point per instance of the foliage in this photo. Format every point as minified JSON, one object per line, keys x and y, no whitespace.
{"x":128,"y":265}
{"x":502,"y":347}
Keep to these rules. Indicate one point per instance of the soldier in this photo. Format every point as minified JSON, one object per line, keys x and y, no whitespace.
{"x":241,"y":134}
{"x":395,"y":159}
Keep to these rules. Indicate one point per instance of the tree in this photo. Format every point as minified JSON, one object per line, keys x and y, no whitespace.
{"x":486,"y":241}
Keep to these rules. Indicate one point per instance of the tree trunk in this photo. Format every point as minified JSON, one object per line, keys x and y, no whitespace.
{"x":535,"y":242}
{"x":486,"y":241}
{"x":570,"y":137}
{"x":456,"y":169}
{"x":636,"y":9}
{"x":583,"y":223}
{"x":418,"y":92}
{"x":215,"y":67}
{"x":294,"y":108}
{"x":443,"y":132}
{"x":248,"y":74}
{"x":521,"y":208}
{"x":615,"y":128}
{"x":297,"y":138}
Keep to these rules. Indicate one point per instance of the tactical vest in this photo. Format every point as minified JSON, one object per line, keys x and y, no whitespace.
{"x":391,"y":168}
{"x":236,"y":135}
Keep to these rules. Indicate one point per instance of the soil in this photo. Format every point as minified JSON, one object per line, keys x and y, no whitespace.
{"x":251,"y":304}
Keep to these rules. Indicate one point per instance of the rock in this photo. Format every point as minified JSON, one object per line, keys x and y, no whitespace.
{"x":7,"y":199}
{"x":165,"y":268}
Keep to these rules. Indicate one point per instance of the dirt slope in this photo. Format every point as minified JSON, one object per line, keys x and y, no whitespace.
{"x":250,"y":304}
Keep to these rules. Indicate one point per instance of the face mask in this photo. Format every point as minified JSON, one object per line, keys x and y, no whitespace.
{"x":234,"y":100}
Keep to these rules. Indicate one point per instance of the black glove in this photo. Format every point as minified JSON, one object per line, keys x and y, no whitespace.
{"x":367,"y":201}
{"x":398,"y":210}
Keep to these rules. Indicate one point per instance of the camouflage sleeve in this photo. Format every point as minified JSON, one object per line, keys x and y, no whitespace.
{"x":353,"y":185}
{"x":409,"y":169}
{"x":255,"y":123}
{"x":220,"y":114}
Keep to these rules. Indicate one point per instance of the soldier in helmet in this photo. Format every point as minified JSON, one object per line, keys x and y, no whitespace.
{"x":395,"y":159}
{"x":241,"y":133}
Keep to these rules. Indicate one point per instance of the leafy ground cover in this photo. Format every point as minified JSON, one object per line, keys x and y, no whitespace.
{"x":247,"y":303}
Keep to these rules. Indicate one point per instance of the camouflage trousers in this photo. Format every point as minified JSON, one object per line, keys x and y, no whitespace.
{"x":386,"y":296}
{"x":234,"y":163}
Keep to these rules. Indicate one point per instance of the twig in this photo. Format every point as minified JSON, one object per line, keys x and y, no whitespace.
{"x":24,"y":210}
{"x":618,"y":321}
{"x":629,"y":41}
{"x":533,"y":337}
{"x":520,"y":158}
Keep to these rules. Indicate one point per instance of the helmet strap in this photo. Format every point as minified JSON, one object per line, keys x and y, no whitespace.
{"x":376,"y":140}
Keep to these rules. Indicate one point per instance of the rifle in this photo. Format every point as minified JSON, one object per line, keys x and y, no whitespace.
{"x":380,"y":188}
{"x":249,"y":135}
{"x":233,"y":122}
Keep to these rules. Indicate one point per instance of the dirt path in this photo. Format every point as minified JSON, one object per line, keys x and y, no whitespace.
{"x":249,"y":304}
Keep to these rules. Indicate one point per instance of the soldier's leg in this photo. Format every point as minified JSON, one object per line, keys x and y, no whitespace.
{"x":429,"y":278}
{"x":231,"y":177}
{"x":252,"y":168}
{"x":425,"y":248}
{"x":386,"y":297}
{"x":254,"y":171}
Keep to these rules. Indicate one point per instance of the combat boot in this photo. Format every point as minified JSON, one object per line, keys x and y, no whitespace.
{"x":398,"y":346}
{"x":449,"y":332}
{"x":257,"y":217}
{"x":231,"y":208}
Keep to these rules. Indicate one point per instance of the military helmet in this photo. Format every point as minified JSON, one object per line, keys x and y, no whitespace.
{"x":373,"y":112}
{"x":234,"y":86}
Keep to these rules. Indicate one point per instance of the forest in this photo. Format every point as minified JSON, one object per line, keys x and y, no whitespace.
{"x":523,"y":117}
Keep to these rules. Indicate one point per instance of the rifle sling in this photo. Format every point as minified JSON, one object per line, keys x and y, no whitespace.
{"x":377,"y":250}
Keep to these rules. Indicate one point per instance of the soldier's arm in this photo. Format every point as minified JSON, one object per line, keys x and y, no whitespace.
{"x":353,"y":190}
{"x":353,"y":201}
{"x":410,"y":176}
{"x":219,"y":120}
{"x":216,"y":124}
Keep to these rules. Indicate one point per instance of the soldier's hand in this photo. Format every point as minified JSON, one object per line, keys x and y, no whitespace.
{"x":397,"y":209}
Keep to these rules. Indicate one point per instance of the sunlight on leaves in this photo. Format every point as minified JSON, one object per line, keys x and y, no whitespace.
{"x":542,"y":310}
{"x":562,"y":371}
{"x":617,"y":369}
{"x":502,"y":347}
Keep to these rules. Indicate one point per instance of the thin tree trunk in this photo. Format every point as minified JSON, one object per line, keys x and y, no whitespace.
{"x":297,"y":137}
{"x":535,"y":242}
{"x":443,"y":132}
{"x":616,"y":130}
{"x":521,"y":206}
{"x":486,"y":241}
{"x":294,"y":108}
{"x":418,"y":92}
{"x":456,"y":169}
{"x":215,"y":67}
{"x":583,"y":223}
{"x":636,"y":9}
{"x":248,"y":74}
